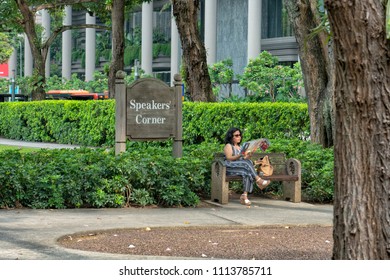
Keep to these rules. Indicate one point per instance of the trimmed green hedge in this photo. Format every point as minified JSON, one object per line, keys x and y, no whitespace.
{"x":210,"y":121}
{"x":88,"y":123}
{"x":91,"y":123}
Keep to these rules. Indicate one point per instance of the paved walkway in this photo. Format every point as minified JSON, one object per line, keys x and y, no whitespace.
{"x":18,"y":143}
{"x":32,"y":234}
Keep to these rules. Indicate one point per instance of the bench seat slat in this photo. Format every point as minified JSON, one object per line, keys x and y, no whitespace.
{"x":272,"y":178}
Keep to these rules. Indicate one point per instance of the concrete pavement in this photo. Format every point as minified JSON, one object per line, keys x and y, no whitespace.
{"x":29,"y":234}
{"x":18,"y":143}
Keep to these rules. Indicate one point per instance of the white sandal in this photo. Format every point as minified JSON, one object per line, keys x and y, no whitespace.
{"x":262,"y":185}
{"x":244,"y":200}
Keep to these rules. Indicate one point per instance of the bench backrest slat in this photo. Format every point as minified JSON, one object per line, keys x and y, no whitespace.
{"x":277,"y":160}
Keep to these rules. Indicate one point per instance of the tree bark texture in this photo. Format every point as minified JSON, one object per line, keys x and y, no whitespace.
{"x":362,"y":142}
{"x":118,"y":44}
{"x":194,"y":52}
{"x":317,"y":67}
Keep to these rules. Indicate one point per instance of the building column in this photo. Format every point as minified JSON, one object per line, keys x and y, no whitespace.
{"x":210,"y":31}
{"x":67,"y":46}
{"x":90,"y":48}
{"x":12,"y":65}
{"x":147,"y":38}
{"x":46,"y":34}
{"x":254,"y":28}
{"x":28,"y":59}
{"x":175,"y":49}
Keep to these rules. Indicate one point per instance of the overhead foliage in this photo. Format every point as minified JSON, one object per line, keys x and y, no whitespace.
{"x":5,"y":47}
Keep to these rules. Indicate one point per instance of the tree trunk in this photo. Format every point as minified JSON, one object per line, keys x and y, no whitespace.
{"x":194,"y":52}
{"x":39,"y":54}
{"x":118,"y":37}
{"x":317,"y":67}
{"x":362,"y":142}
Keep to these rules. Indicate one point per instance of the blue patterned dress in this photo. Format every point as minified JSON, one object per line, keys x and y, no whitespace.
{"x":242,"y":167}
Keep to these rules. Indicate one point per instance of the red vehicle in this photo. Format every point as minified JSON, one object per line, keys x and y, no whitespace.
{"x":75,"y":95}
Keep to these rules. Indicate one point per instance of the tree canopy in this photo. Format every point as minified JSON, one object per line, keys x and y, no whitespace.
{"x":5,"y":47}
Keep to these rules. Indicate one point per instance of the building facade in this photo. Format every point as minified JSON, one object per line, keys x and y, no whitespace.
{"x":235,"y":29}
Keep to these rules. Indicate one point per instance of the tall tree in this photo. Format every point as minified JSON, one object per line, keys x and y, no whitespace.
{"x":20,"y":15}
{"x":118,"y":43}
{"x":118,"y":8}
{"x":194,"y":52}
{"x":362,"y":122}
{"x":317,"y":66}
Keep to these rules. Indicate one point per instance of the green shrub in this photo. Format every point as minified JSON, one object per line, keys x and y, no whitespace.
{"x":145,"y":174}
{"x":92,"y":123}
{"x":141,"y":197}
{"x":97,"y":178}
{"x":265,"y":77}
{"x":317,"y":167}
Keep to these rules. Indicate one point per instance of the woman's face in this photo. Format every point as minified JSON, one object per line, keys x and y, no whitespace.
{"x":237,"y":137}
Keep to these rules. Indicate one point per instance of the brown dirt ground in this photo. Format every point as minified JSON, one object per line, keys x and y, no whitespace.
{"x":219,"y":242}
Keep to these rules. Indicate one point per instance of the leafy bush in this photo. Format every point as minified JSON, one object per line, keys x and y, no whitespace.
{"x":221,"y":75}
{"x":265,"y":77}
{"x":145,"y":174}
{"x":91,"y":123}
{"x":317,"y":167}
{"x":97,"y":178}
{"x":210,"y":121}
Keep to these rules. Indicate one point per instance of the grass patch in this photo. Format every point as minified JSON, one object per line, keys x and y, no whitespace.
{"x":22,"y":149}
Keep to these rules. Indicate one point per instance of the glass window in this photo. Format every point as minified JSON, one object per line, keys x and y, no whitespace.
{"x":275,"y":22}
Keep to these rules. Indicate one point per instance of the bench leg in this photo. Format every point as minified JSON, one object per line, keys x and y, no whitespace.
{"x":292,"y":191}
{"x":219,"y":186}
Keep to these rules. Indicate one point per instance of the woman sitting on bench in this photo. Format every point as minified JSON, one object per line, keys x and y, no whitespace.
{"x":241,"y":165}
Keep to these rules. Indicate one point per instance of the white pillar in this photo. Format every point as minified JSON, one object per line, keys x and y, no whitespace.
{"x":28,"y":60}
{"x":147,"y":38}
{"x":90,"y":48}
{"x":210,"y":31}
{"x":175,"y":50}
{"x":12,"y":64}
{"x":254,"y":28}
{"x":67,"y":46}
{"x":46,"y":34}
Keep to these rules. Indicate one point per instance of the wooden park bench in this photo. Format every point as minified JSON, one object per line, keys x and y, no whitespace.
{"x":287,"y":171}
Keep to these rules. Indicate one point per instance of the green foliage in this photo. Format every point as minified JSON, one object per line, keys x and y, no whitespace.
{"x":145,"y":174}
{"x":5,"y":48}
{"x":4,"y":85}
{"x":221,"y":74}
{"x":132,"y":52}
{"x":97,"y":178}
{"x":210,"y":121}
{"x":141,"y":197}
{"x":388,"y":20}
{"x":163,"y":49}
{"x":266,"y":78}
{"x":91,"y":123}
{"x":98,"y":84}
{"x":88,"y":123}
{"x":317,"y":167}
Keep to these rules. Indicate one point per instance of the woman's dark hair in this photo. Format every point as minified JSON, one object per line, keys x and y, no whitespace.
{"x":229,"y":135}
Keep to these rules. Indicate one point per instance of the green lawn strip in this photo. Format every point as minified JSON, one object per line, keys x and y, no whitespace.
{"x":22,"y":149}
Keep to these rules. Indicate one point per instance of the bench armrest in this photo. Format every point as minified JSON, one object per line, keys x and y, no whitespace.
{"x":293,"y":167}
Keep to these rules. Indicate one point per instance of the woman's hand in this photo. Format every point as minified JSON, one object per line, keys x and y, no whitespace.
{"x":247,"y":155}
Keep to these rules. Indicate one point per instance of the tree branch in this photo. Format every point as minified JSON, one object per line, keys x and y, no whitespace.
{"x":64,"y":28}
{"x":61,"y":3}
